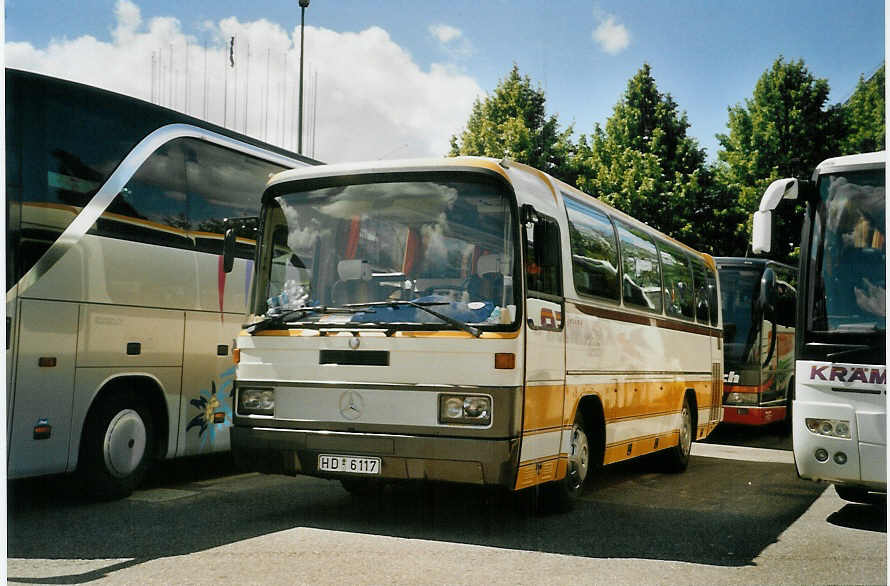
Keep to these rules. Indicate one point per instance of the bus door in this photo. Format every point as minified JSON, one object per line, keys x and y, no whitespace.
{"x":544,"y":351}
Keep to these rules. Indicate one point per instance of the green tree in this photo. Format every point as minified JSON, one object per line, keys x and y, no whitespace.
{"x":783,"y":130}
{"x":512,"y":122}
{"x":644,"y":163}
{"x":863,"y":116}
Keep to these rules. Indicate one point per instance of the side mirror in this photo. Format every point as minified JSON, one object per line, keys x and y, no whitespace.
{"x":528,"y":215}
{"x":761,"y":237}
{"x":762,"y":233}
{"x":768,"y":293}
{"x":229,"y":250}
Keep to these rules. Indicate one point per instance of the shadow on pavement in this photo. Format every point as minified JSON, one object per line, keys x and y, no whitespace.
{"x":718,"y":512}
{"x":866,"y":517}
{"x":775,"y":436}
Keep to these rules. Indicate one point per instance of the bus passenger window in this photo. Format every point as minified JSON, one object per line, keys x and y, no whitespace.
{"x":642,"y":272}
{"x":594,"y":251}
{"x":678,"y":298}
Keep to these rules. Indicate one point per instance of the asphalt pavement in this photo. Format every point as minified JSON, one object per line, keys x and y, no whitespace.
{"x":739,"y":515}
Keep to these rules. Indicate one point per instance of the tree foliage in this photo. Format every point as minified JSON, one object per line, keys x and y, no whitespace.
{"x":783,"y":130}
{"x":644,"y":163}
{"x":863,"y":116}
{"x":513,"y":123}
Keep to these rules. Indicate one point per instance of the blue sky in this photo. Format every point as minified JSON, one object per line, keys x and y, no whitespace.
{"x":707,"y":54}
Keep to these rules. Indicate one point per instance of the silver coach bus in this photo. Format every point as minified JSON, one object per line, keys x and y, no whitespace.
{"x":120,"y":318}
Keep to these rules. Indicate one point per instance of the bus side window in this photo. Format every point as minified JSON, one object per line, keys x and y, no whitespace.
{"x":223,"y":184}
{"x":594,"y":251}
{"x":702,"y":297}
{"x":151,"y":208}
{"x":542,"y":257}
{"x":678,"y":297}
{"x":642,"y":272}
{"x":713,"y":299}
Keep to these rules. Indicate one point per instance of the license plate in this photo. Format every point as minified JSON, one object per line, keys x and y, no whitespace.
{"x":348,"y":464}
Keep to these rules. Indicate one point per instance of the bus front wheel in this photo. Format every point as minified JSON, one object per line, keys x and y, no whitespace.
{"x":562,"y":494}
{"x":117,"y":444}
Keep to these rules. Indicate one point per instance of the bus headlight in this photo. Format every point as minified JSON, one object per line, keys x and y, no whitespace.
{"x":256,"y":401}
{"x":740,"y":399}
{"x":465,"y":409}
{"x":829,"y":427}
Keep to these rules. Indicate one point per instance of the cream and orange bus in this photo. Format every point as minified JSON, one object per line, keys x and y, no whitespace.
{"x":468,"y":320}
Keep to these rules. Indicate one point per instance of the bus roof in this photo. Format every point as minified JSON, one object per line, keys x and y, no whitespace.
{"x":858,"y":162}
{"x":385,"y":166}
{"x":136,"y":105}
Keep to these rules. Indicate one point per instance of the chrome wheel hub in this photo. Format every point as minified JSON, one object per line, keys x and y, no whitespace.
{"x":685,"y":431}
{"x":579,"y":457}
{"x":124,"y":445}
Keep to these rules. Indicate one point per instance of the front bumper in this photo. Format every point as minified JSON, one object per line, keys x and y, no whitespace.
{"x":403,"y":457}
{"x":753,"y":415}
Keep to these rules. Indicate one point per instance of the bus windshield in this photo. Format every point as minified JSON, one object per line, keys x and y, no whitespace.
{"x":739,"y":289}
{"x":445,"y":245}
{"x":848,"y":255}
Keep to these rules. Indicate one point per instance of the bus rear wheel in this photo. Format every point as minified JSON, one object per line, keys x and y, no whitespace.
{"x":116,"y":448}
{"x":676,"y":458}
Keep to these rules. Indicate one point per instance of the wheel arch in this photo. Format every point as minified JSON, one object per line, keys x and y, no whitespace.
{"x":142,"y":387}
{"x":693,"y":409}
{"x":590,"y":408}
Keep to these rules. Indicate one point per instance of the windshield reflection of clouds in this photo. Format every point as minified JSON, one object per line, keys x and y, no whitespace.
{"x":450,"y":244}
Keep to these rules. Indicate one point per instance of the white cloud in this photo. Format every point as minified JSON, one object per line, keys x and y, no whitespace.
{"x":611,"y":36}
{"x":372,"y":99}
{"x":445,"y":33}
{"x":451,"y":41}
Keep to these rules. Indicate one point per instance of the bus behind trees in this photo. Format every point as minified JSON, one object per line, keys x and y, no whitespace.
{"x":759,"y":300}
{"x":469,"y":320}
{"x":120,"y":318}
{"x":839,"y":419}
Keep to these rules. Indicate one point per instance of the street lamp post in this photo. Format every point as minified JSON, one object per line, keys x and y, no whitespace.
{"x":303,"y":5}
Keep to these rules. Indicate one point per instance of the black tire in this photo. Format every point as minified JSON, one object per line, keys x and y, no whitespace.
{"x":560,"y":496}
{"x":116,"y":448}
{"x":859,"y":494}
{"x":676,"y":459}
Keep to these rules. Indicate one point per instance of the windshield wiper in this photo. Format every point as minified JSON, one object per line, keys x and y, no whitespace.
{"x":281,"y":319}
{"x":424,"y":306}
{"x":852,"y":349}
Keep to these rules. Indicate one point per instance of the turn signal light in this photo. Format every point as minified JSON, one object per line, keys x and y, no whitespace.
{"x":505,"y":360}
{"x":236,"y":355}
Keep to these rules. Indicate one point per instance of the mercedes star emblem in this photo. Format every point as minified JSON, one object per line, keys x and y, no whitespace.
{"x":351,"y":405}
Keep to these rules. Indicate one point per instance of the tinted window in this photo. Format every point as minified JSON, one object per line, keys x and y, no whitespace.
{"x":151,"y":208}
{"x":594,"y":251}
{"x":542,"y":257}
{"x":713,"y":299}
{"x":223,"y":184}
{"x":677,"y":281}
{"x":641,"y":286}
{"x":63,"y":142}
{"x":786,"y":297}
{"x":702,"y":294}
